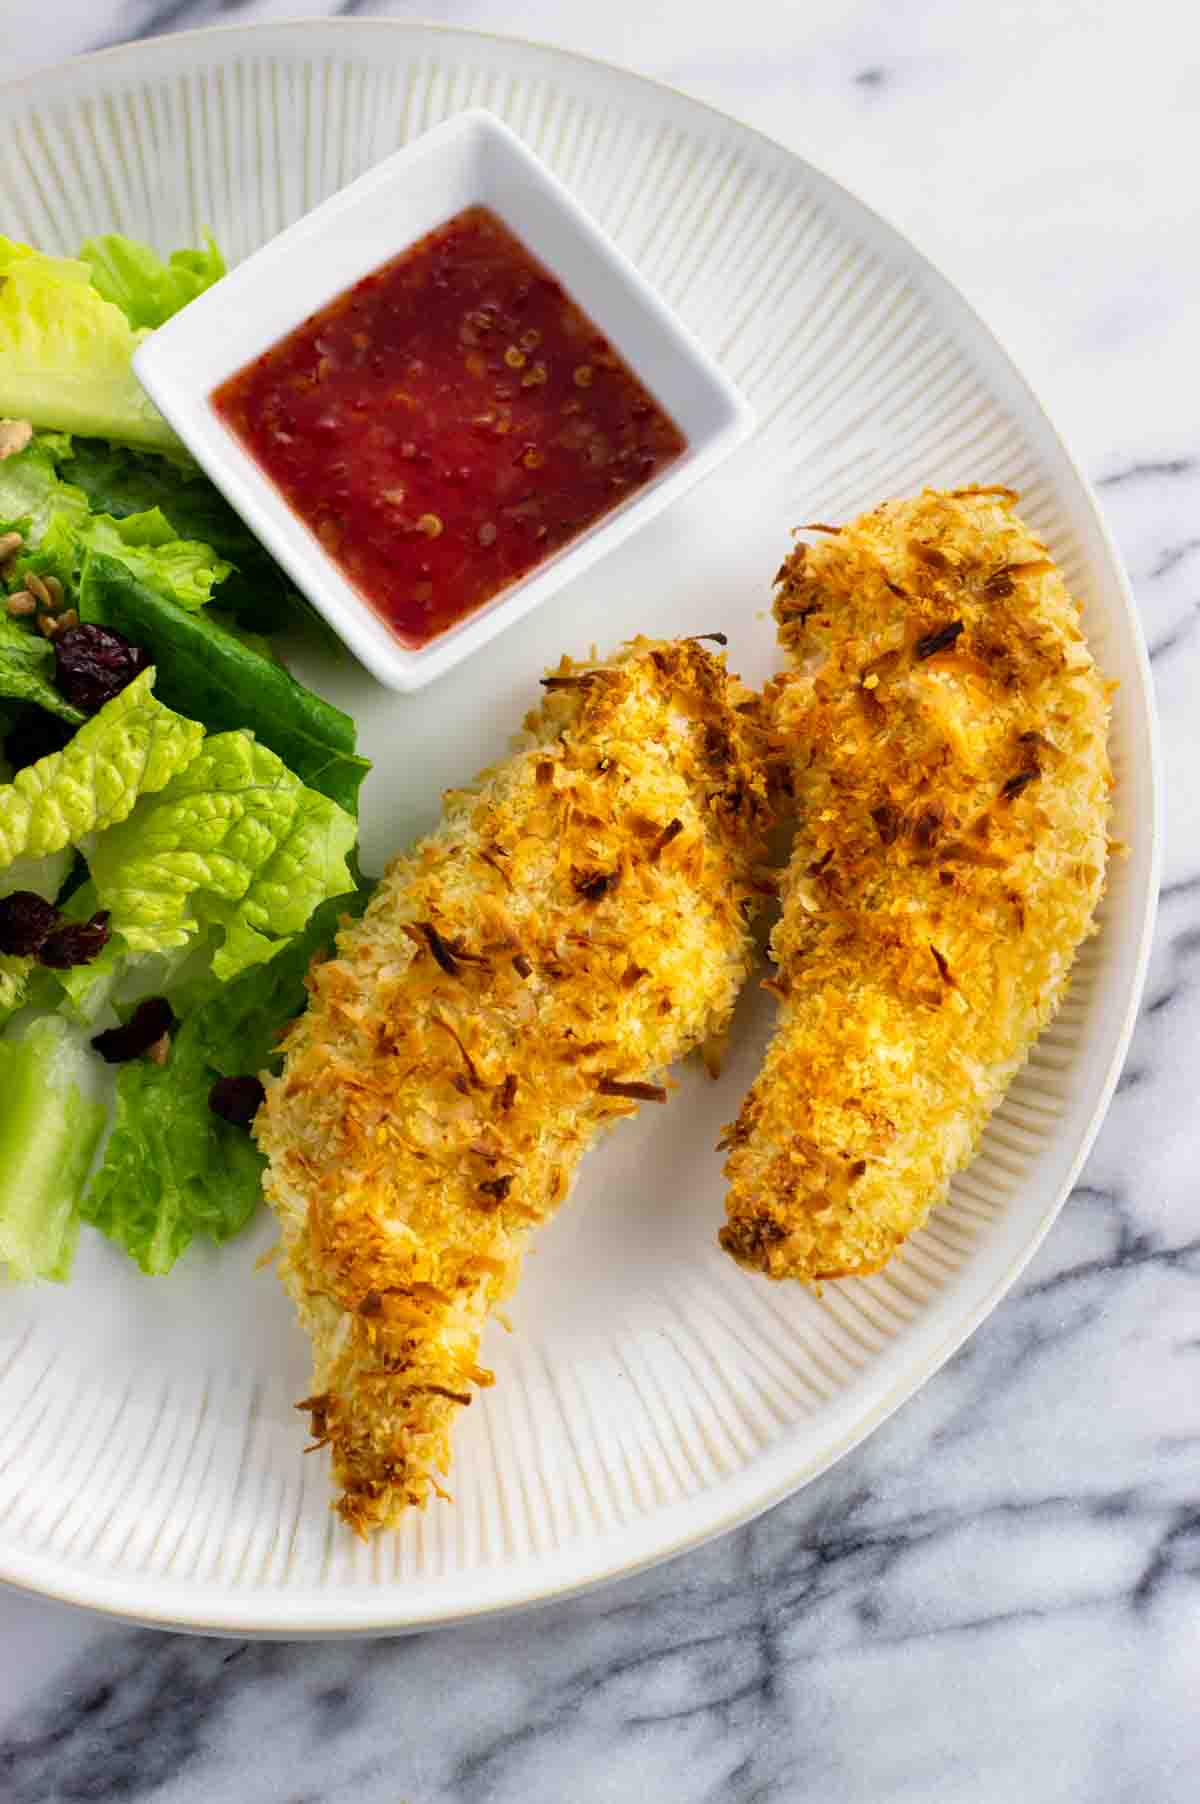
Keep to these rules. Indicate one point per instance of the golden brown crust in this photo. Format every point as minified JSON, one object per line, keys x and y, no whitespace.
{"x":944,"y":725}
{"x":519,"y":980}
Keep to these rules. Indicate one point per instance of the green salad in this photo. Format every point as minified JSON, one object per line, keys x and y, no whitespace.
{"x":178,"y":814}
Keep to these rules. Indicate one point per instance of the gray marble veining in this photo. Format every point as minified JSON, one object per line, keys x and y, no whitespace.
{"x":996,"y":1598}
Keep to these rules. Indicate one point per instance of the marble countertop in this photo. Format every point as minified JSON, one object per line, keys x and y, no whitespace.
{"x":996,"y":1598}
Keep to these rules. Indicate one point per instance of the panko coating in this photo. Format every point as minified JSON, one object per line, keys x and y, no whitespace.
{"x":521,"y":979}
{"x":944,"y":725}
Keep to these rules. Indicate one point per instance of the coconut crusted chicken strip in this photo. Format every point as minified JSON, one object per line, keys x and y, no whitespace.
{"x":945,"y":728}
{"x":521,"y":979}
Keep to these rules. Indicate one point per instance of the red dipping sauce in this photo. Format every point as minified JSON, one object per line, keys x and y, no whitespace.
{"x":448,"y":423}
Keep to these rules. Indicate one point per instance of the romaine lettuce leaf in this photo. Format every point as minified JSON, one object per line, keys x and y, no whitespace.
{"x":183,"y":570}
{"x":119,"y":481}
{"x":65,"y":353}
{"x":133,"y":746}
{"x":44,"y":876}
{"x":22,"y":980}
{"x":209,"y":673}
{"x":49,"y":1128}
{"x":14,"y":983}
{"x":147,"y":290}
{"x":31,"y":489}
{"x":54,"y":520}
{"x":55,"y":551}
{"x":118,"y":977}
{"x":172,"y":1169}
{"x":234,"y":840}
{"x":26,"y":669}
{"x":240,"y":1025}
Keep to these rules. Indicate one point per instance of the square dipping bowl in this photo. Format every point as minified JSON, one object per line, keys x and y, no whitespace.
{"x":470,"y":160}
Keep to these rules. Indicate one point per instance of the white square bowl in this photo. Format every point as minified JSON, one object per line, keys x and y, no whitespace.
{"x":470,"y":160}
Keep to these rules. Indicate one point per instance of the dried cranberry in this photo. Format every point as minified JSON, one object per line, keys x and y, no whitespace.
{"x":93,"y":663}
{"x":26,"y":922}
{"x":146,"y":1026}
{"x":236,"y":1099}
{"x":33,"y":735}
{"x":76,"y":942}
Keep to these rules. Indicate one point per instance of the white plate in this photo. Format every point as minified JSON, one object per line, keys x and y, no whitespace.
{"x":651,"y":1393}
{"x":471,"y":159}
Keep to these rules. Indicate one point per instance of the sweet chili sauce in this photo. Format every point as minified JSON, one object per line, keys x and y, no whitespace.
{"x":448,"y":423}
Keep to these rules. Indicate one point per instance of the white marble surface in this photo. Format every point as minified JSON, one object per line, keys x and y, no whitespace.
{"x":997,"y":1598}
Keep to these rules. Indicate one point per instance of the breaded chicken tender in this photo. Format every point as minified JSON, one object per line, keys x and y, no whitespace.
{"x":944,"y":725}
{"x":521,"y":979}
